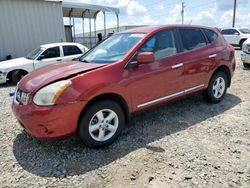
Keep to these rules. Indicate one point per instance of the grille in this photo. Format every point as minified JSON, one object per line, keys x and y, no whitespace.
{"x":22,"y":97}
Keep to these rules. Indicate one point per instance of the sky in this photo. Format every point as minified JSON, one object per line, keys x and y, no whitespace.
{"x":215,"y":13}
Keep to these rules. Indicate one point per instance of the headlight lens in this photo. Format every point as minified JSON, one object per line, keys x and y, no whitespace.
{"x":48,"y":95}
{"x":244,"y":48}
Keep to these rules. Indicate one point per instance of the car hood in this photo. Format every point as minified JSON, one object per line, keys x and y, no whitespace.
{"x":45,"y":75}
{"x":14,"y":63}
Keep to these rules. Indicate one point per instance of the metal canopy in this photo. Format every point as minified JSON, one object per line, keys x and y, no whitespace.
{"x":76,"y":10}
{"x":84,"y":10}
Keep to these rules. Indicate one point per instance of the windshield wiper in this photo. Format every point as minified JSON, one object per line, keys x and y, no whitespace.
{"x":85,"y":61}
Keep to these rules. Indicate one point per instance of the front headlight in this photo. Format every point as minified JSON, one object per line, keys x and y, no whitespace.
{"x":244,"y":48}
{"x":48,"y":95}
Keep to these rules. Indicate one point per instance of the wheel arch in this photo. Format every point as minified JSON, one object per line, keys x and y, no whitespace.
{"x":108,"y":96}
{"x":226,"y":70}
{"x":11,"y":72}
{"x":242,"y":41}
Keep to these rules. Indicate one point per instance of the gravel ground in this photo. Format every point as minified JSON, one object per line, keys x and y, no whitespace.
{"x":187,"y":143}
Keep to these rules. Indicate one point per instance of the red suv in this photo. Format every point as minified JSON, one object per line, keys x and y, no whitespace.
{"x":129,"y":72}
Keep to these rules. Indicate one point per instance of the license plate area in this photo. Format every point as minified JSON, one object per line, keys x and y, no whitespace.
{"x":22,"y":97}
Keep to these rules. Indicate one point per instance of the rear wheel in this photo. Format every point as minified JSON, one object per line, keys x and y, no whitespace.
{"x":17,"y":75}
{"x":101,"y":124}
{"x":217,"y":88}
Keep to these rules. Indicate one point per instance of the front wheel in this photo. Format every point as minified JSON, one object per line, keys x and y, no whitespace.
{"x":101,"y":124}
{"x":17,"y":75}
{"x":217,"y":88}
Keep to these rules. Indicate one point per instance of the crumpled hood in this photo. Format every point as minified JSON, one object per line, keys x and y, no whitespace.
{"x":45,"y":75}
{"x":14,"y":63}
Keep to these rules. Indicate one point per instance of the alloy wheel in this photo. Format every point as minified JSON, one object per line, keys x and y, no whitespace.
{"x":103,"y":125}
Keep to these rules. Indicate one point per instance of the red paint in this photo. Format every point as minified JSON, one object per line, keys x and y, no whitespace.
{"x":136,"y":85}
{"x":145,"y":57}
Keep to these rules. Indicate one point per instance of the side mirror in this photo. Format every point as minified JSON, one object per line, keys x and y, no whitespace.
{"x":236,"y":33}
{"x":41,"y":57}
{"x":145,"y":57}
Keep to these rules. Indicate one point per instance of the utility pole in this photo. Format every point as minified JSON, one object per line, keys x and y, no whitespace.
{"x":182,"y":12}
{"x":234,"y":13}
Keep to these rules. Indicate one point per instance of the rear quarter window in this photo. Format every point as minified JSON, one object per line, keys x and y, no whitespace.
{"x":192,"y":38}
{"x":211,"y":35}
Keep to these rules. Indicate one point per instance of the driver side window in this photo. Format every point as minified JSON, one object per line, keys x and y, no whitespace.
{"x":162,"y":44}
{"x":51,"y":53}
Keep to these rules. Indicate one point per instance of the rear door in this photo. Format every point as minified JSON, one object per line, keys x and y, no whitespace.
{"x":198,"y":57}
{"x":70,"y":52}
{"x":225,"y":33}
{"x":156,"y":82}
{"x":232,"y":36}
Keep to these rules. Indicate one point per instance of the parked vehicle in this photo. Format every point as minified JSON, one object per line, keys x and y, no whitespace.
{"x":245,"y":54}
{"x":236,"y":36}
{"x":47,"y":54}
{"x":129,"y":72}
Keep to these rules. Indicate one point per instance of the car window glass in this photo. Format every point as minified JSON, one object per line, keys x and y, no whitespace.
{"x":233,"y":31}
{"x":161,"y":44}
{"x":51,"y":53}
{"x":71,"y":50}
{"x":211,"y":35}
{"x":224,"y":31}
{"x":192,"y":39}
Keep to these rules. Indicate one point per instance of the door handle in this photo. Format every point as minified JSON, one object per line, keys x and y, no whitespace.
{"x":59,"y":60}
{"x":211,"y":56}
{"x":177,"y":65}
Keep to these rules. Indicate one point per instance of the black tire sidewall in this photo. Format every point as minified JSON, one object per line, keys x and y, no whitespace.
{"x":16,"y":76}
{"x":210,"y":94}
{"x":83,"y":127}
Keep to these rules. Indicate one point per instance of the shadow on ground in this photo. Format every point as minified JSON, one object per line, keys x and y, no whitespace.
{"x":70,"y":157}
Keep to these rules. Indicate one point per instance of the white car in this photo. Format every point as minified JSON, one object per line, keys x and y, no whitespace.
{"x":47,"y":54}
{"x":236,"y":36}
{"x":245,"y":54}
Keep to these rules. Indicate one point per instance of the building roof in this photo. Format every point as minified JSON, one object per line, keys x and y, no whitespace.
{"x":80,"y":10}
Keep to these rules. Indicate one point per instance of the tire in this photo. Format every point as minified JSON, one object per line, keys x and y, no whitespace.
{"x":241,"y":43}
{"x":16,"y":76}
{"x":246,"y":65}
{"x":97,"y":131}
{"x":217,"y":88}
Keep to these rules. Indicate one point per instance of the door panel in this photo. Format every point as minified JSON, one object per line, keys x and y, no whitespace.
{"x":198,"y":57}
{"x":150,"y":83}
{"x":49,"y":56}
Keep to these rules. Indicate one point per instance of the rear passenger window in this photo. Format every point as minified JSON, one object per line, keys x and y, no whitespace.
{"x":192,"y":39}
{"x":211,"y":35}
{"x":162,"y":44}
{"x":71,"y":50}
{"x":225,"y":31}
{"x":233,"y":32}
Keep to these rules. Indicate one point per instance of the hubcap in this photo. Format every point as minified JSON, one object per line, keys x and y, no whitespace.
{"x":103,"y":125}
{"x":219,"y":87}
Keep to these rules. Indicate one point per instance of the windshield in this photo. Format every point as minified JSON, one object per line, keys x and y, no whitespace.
{"x":112,"y":49}
{"x":245,"y":31}
{"x":33,"y":54}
